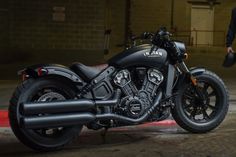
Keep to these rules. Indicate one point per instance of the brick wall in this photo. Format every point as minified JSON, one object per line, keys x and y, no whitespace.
{"x":4,"y":25}
{"x":28,"y":30}
{"x":35,"y":37}
{"x":116,"y":22}
{"x":182,"y":15}
{"x":32,"y":26}
{"x":149,"y":15}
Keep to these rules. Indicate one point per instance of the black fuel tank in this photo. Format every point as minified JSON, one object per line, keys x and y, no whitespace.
{"x":139,"y":56}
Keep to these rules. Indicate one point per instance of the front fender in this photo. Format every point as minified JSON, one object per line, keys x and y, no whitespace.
{"x":185,"y":78}
{"x":196,"y":71}
{"x":41,"y":70}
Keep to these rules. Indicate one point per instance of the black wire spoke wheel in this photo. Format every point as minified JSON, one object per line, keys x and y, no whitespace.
{"x":200,"y":109}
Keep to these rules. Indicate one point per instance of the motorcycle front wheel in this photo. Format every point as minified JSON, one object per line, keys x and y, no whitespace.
{"x":36,"y":90}
{"x":201,"y":113}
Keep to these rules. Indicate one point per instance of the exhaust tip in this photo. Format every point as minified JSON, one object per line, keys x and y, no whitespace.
{"x":52,"y":121}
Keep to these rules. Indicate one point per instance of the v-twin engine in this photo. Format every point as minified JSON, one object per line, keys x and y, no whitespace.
{"x":136,"y":101}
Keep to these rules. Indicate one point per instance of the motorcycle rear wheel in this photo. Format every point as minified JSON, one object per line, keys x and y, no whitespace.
{"x":198,"y":115}
{"x":42,"y":89}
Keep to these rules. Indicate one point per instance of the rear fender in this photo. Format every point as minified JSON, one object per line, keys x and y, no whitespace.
{"x":41,"y":70}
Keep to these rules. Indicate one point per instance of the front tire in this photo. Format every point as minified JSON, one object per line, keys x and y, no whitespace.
{"x":41,"y":89}
{"x":201,"y":115}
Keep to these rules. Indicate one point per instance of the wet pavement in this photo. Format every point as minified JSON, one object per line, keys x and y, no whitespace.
{"x":136,"y":141}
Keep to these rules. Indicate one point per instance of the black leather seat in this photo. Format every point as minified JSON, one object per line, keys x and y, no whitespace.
{"x":87,"y":73}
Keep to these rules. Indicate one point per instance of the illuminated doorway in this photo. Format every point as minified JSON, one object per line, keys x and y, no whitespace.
{"x":202,"y":24}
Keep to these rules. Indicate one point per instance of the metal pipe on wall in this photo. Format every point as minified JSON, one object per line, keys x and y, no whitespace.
{"x":127,"y":21}
{"x":172,"y":14}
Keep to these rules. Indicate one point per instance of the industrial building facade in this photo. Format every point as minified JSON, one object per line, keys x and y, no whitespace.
{"x":33,"y":27}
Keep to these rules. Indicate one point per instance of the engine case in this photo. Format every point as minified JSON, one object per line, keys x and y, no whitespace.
{"x":136,"y":102}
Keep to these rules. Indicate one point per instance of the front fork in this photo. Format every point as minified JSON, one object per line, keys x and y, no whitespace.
{"x":182,"y":66}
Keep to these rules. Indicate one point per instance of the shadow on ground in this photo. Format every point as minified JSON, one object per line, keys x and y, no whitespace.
{"x":139,"y":141}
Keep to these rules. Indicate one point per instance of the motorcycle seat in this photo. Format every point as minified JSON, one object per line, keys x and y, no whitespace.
{"x":87,"y":73}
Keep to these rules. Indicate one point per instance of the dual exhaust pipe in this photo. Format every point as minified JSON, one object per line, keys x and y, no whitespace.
{"x":77,"y":112}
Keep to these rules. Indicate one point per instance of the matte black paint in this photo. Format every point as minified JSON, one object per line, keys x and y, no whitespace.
{"x":194,"y":71}
{"x":135,"y":57}
{"x":52,"y":69}
{"x":57,"y":107}
{"x":180,"y":46}
{"x":197,"y":71}
{"x":78,"y":105}
{"x":58,"y":120}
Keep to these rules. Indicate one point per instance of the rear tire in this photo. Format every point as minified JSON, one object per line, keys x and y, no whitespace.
{"x":41,"y":140}
{"x":188,"y":109}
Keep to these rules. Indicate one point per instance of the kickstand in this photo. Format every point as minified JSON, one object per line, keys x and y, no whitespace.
{"x":103,"y":134}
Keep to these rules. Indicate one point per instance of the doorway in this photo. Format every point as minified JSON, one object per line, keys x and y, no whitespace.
{"x":202,"y":25}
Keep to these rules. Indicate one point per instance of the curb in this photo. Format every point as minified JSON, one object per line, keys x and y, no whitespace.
{"x":4,"y":121}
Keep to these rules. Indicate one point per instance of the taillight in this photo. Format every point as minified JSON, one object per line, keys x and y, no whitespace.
{"x":42,"y":71}
{"x":24,"y":77}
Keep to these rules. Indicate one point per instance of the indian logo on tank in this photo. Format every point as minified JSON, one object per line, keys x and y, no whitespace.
{"x":153,"y":54}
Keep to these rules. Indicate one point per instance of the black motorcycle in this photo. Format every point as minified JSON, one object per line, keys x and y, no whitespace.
{"x":142,"y":84}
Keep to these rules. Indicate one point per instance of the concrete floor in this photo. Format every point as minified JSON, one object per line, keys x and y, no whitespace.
{"x":135,"y":141}
{"x":138,"y":141}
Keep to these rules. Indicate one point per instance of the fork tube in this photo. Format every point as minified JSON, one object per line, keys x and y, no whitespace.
{"x":183,"y":67}
{"x":170,"y":80}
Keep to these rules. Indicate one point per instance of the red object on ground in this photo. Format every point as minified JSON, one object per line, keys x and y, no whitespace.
{"x":160,"y":123}
{"x":4,"y":121}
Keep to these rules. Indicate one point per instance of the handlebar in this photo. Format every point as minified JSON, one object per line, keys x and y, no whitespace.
{"x":144,"y":36}
{"x":162,"y":37}
{"x":158,"y":38}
